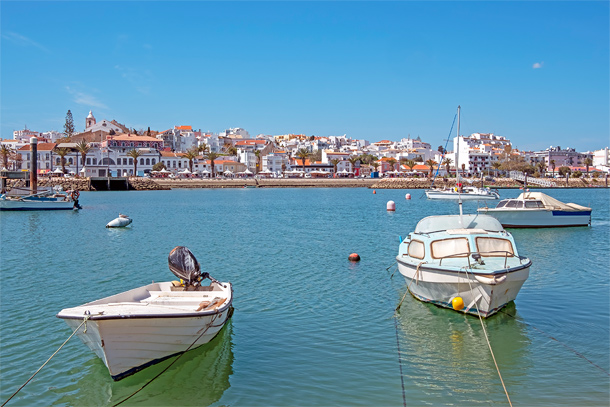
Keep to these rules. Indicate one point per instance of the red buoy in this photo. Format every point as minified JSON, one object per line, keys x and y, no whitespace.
{"x":374,"y":191}
{"x":354,"y":257}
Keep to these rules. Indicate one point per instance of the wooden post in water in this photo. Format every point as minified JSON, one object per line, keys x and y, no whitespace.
{"x":33,"y":165}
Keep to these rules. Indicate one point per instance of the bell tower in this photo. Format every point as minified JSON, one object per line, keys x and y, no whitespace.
{"x":90,"y":121}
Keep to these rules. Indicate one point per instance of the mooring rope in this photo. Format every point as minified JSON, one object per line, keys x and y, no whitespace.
{"x":489,"y":345}
{"x":45,"y":363}
{"x":168,"y":366}
{"x":402,"y":380}
{"x":409,"y":286}
{"x":577,"y":353}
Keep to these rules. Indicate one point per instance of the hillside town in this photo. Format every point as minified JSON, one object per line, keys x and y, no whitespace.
{"x":107,"y":148}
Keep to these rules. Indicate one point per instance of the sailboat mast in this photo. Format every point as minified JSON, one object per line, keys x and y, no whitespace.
{"x":457,"y":147}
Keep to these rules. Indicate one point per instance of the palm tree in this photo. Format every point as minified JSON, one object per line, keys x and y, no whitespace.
{"x":542,"y":167}
{"x":410,"y":163}
{"x":134,"y":153}
{"x":588,"y":162}
{"x":431,"y":163}
{"x":565,"y":172}
{"x":447,"y":163}
{"x":5,"y":153}
{"x":257,"y":153}
{"x":62,"y":152}
{"x":392,"y":162}
{"x":463,"y":169}
{"x":190,"y":155}
{"x":335,"y":162}
{"x":303,"y":154}
{"x":353,"y":159}
{"x":210,"y":155}
{"x":83,"y":148}
{"x":552,"y":162}
{"x":375,"y":165}
{"x":203,"y":148}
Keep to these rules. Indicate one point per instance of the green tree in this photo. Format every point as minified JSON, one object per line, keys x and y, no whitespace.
{"x":158,"y":166}
{"x":83,"y":148}
{"x":257,"y":153}
{"x":211,"y":155}
{"x":353,"y":160}
{"x":335,"y":162}
{"x":392,"y":162}
{"x":588,"y":162}
{"x":447,"y":163}
{"x":69,"y":125}
{"x":552,"y":163}
{"x":410,"y":164}
{"x":190,"y":155}
{"x":496,"y":166}
{"x":565,"y":172}
{"x":135,"y":154}
{"x":148,"y":132}
{"x":303,"y":154}
{"x":542,"y":168}
{"x":431,"y":163}
{"x":5,"y":152}
{"x":62,"y":152}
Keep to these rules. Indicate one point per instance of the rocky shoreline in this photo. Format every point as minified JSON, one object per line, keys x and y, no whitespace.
{"x":150,"y":184}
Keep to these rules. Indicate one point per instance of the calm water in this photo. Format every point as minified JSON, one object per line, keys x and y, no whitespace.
{"x":310,"y":328}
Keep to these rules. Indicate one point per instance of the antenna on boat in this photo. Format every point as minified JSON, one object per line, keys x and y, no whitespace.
{"x":457,"y":170}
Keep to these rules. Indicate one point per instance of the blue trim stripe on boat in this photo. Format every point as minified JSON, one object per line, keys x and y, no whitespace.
{"x":562,"y":213}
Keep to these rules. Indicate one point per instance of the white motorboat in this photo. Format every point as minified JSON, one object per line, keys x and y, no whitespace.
{"x":465,"y":262}
{"x":45,"y":199}
{"x":538,"y":210}
{"x":120,"y":222}
{"x":466,"y":193}
{"x":461,"y":192}
{"x":138,"y":328}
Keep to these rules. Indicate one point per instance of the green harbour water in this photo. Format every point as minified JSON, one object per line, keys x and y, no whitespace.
{"x":309,"y":328}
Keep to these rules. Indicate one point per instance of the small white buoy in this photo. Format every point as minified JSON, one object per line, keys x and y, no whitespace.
{"x":391,"y":206}
{"x":408,"y":196}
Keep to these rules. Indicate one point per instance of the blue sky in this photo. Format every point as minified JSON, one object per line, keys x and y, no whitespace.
{"x":534,"y":72}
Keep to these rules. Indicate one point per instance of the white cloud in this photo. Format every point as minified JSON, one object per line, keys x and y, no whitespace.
{"x":537,"y":65}
{"x":85,"y":99}
{"x":23,"y":41}
{"x":139,"y":79}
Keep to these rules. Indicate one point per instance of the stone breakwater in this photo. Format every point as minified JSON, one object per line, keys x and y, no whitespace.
{"x":80,"y":184}
{"x":422,"y":183}
{"x":267,"y":183}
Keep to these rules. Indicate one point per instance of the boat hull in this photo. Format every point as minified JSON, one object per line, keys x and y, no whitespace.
{"x":119,"y":223}
{"x":485,"y":295}
{"x":127,"y":346}
{"x":449,"y":195}
{"x":50,"y":204}
{"x":538,"y":218}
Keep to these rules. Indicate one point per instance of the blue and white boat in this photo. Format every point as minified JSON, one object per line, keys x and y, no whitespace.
{"x":47,"y":199}
{"x":465,"y":262}
{"x":538,"y":210}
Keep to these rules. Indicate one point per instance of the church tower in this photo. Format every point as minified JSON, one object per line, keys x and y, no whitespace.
{"x":90,"y":120}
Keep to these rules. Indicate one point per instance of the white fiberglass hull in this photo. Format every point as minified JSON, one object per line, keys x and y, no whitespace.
{"x":130,"y":335}
{"x":538,"y":218}
{"x":485,"y":293}
{"x":452,"y":195}
{"x":119,"y":222}
{"x":35,"y":204}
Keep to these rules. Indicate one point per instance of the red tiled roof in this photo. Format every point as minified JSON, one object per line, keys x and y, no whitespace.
{"x":189,"y":128}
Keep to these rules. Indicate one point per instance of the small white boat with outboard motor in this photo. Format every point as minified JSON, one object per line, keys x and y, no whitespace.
{"x":120,"y":222}
{"x":45,"y":198}
{"x":538,"y":210}
{"x":465,"y":262}
{"x":135,"y":329}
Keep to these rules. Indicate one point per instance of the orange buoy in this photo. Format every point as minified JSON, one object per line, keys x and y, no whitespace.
{"x":408,"y":196}
{"x":374,"y":191}
{"x":391,"y":206}
{"x":354,"y":257}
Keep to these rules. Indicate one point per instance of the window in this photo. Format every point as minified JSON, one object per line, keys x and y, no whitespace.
{"x":141,"y":161}
{"x":494,"y":247}
{"x":519,"y":204}
{"x":88,"y":161}
{"x":534,"y":204}
{"x":131,"y":161}
{"x":501,"y":204}
{"x":153,"y":161}
{"x":511,"y":204}
{"x":416,"y":249}
{"x":457,"y":247}
{"x":148,"y":161}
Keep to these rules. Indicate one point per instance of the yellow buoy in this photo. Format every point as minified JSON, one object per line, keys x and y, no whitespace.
{"x":457,"y":303}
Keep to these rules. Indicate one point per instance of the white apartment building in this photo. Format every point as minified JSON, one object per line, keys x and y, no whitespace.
{"x":273,"y":163}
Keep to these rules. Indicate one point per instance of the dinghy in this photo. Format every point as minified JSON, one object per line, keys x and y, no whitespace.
{"x":135,"y":329}
{"x":120,"y":222}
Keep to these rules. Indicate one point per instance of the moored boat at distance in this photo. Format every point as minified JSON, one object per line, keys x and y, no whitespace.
{"x":467,"y":258}
{"x":467,"y":193}
{"x":135,"y":329}
{"x":538,"y":210}
{"x":46,"y":199}
{"x":120,"y":222}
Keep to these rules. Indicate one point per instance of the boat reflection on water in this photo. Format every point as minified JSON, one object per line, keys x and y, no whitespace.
{"x":450,"y":350}
{"x":199,"y":377}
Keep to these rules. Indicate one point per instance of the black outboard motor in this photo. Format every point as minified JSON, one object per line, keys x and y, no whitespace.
{"x":184,"y":265}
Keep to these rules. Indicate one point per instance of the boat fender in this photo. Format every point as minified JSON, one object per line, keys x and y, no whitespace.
{"x":177,"y":283}
{"x":457,"y":303}
{"x":495,"y":280}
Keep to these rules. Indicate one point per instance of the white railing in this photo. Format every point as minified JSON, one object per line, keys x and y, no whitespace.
{"x":519,"y":176}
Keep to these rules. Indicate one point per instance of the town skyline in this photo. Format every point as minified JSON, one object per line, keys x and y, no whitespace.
{"x":370,"y":71}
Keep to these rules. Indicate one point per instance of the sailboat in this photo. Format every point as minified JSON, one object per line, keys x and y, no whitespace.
{"x":460,"y":191}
